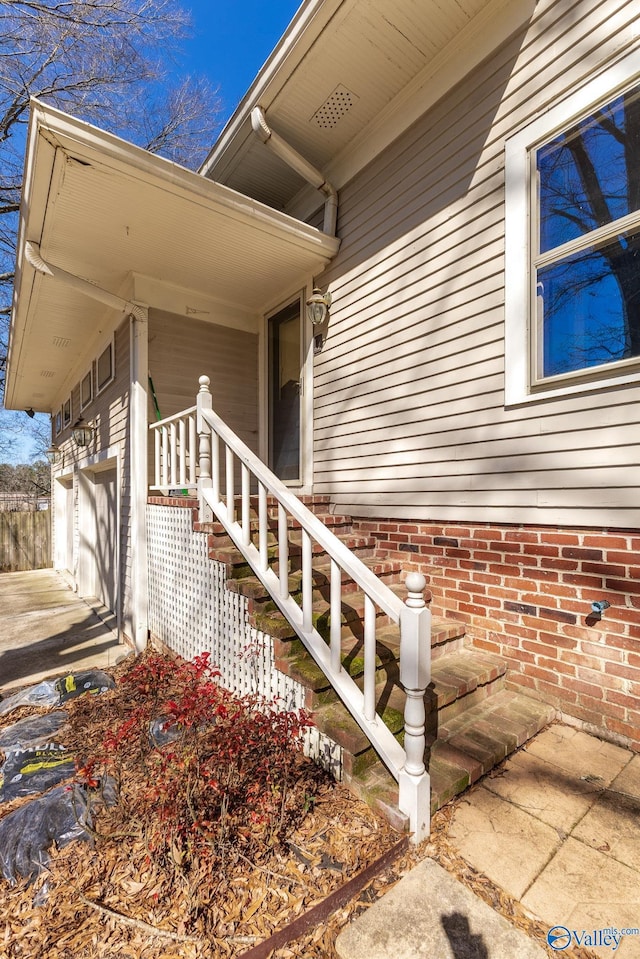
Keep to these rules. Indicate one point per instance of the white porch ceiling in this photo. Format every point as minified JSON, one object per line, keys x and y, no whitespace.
{"x":104,"y":210}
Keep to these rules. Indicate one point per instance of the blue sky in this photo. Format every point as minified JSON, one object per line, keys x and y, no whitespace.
{"x":230,"y":43}
{"x":232,"y":39}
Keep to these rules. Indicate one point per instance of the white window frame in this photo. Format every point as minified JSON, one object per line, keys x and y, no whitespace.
{"x":519,"y":298}
{"x":66,"y":420}
{"x":110,"y":343}
{"x":57,"y":422}
{"x":83,"y":401}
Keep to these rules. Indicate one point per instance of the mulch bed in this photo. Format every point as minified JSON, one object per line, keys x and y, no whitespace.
{"x":114,"y":898}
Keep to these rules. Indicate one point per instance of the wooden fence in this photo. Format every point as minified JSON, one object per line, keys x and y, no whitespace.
{"x":25,"y":541}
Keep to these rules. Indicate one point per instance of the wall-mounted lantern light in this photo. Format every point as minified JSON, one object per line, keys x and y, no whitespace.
{"x":54,"y":455}
{"x":318,"y":306}
{"x":83,"y":433}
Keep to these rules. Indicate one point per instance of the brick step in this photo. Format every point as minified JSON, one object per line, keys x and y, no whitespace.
{"x":292,"y":659}
{"x":471,"y":744}
{"x":321,"y":578}
{"x":484,"y":736}
{"x":222,"y":550}
{"x":460,"y":681}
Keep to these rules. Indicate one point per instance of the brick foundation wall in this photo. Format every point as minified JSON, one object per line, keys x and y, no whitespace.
{"x":525,"y":594}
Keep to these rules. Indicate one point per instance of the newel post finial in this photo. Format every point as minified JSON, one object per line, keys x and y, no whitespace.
{"x":415,"y":675}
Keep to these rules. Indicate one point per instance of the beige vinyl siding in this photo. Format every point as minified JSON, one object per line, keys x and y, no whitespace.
{"x":181,"y":349}
{"x":409,"y":389}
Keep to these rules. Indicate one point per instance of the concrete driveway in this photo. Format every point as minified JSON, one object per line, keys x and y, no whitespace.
{"x":47,"y":629}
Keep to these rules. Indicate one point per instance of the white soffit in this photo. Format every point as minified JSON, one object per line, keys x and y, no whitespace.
{"x":351,"y":78}
{"x":105,"y":210}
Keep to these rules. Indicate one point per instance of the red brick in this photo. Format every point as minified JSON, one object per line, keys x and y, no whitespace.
{"x":481,"y":555}
{"x":563,"y":539}
{"x":606,"y":542}
{"x":581,"y":553}
{"x":605,"y":652}
{"x":579,"y":659}
{"x":581,"y":632}
{"x":489,"y":579}
{"x":579,"y":686}
{"x":521,"y":536}
{"x":544,"y":674}
{"x":580,"y":579}
{"x":520,"y":584}
{"x":557,"y":639}
{"x":548,"y":562}
{"x":542,"y":550}
{"x":626,"y":557}
{"x":559,"y":615}
{"x":628,"y":730}
{"x":622,"y":699}
{"x":619,"y":669}
{"x":623,"y":585}
{"x":604,"y":569}
{"x":556,"y":666}
{"x":481,"y":534}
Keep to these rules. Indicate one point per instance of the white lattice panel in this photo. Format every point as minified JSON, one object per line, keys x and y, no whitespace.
{"x":192,"y":611}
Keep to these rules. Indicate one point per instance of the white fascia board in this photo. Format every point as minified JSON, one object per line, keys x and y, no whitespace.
{"x":499,"y":20}
{"x":82,"y":140}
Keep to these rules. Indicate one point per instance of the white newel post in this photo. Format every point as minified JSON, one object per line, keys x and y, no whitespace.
{"x":203,"y":402}
{"x":415,"y":676}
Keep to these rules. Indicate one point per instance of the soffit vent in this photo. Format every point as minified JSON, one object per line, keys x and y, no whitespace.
{"x":61,"y":341}
{"x":47,"y":374}
{"x":334,"y":108}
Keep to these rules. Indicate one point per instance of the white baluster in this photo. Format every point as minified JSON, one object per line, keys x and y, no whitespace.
{"x":369,"y":659}
{"x":307,"y":582}
{"x":158,"y":461}
{"x":231,"y":496}
{"x":173,"y":447}
{"x":263,"y":527}
{"x":182,"y":452}
{"x":246,"y":505}
{"x":283,"y":551}
{"x":336,"y":616}
{"x":192,"y":450}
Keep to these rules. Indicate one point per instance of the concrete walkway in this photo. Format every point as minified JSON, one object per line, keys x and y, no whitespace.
{"x":558,"y":829}
{"x":46,"y":629}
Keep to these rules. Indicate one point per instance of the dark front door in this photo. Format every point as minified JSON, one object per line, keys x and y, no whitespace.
{"x":284,"y":392}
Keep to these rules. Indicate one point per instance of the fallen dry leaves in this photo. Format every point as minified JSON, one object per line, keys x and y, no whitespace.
{"x":110,"y":898}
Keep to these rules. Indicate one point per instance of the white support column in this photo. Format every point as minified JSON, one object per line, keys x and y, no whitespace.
{"x":138,"y":477}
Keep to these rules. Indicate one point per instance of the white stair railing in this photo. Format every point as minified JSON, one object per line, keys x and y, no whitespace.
{"x":219,"y":452}
{"x":175,"y":451}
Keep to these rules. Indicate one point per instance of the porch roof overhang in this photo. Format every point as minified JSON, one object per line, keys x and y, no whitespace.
{"x":347,"y":78}
{"x":104,"y":210}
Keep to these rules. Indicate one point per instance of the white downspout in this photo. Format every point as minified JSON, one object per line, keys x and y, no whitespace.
{"x":300,"y":165}
{"x":34,"y":258}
